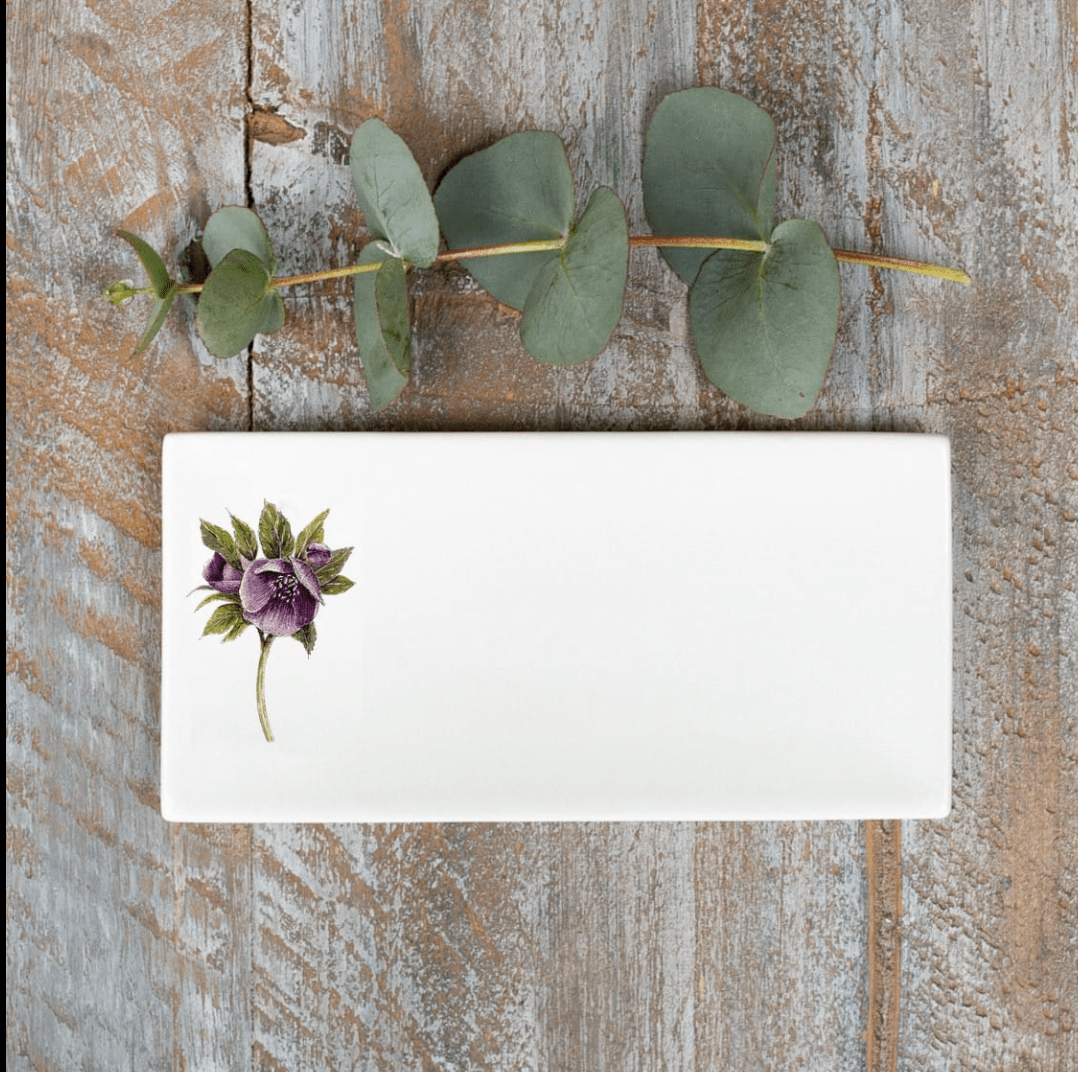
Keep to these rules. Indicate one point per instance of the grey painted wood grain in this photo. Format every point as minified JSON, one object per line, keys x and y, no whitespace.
{"x":939,"y":132}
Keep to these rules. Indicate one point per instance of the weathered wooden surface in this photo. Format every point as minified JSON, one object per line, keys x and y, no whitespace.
{"x":942,"y":131}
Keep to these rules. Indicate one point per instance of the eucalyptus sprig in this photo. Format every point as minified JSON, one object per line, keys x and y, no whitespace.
{"x":763,"y":297}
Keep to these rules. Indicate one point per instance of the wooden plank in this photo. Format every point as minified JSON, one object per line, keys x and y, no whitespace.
{"x":122,"y":933}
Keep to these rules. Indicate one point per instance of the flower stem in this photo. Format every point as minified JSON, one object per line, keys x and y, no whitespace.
{"x":260,"y":686}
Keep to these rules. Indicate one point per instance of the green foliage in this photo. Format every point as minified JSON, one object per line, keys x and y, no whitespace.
{"x":764,"y":322}
{"x":339,"y":584}
{"x":575,"y":302}
{"x":232,"y":228}
{"x":217,"y":597}
{"x":275,"y":533}
{"x":238,"y":301}
{"x":313,"y":532}
{"x":220,"y":540}
{"x":307,"y":637}
{"x":518,"y":190}
{"x":332,"y":569}
{"x":228,"y":619}
{"x":246,"y":540}
{"x":158,"y":312}
{"x":709,"y":169}
{"x":392,"y":194}
{"x":158,"y":275}
{"x":164,"y":288}
{"x":383,"y":335}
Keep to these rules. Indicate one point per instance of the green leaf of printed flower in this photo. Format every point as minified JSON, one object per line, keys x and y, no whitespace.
{"x":246,"y":540}
{"x":311,"y":533}
{"x":236,"y":630}
{"x":765,"y":323}
{"x":238,"y":303}
{"x":518,"y":190}
{"x":383,"y":334}
{"x":333,"y":567}
{"x":391,"y":192}
{"x":220,"y":540}
{"x":233,"y":227}
{"x":224,"y":619}
{"x":339,"y":584}
{"x":275,"y":533}
{"x":306,"y":636}
{"x":709,"y":169}
{"x":160,"y":280}
{"x":575,"y":303}
{"x":219,"y":597}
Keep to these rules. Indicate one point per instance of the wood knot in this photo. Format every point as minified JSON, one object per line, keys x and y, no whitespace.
{"x":269,"y":127}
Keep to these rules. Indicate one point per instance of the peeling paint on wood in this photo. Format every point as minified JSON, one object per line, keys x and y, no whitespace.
{"x":944,"y":132}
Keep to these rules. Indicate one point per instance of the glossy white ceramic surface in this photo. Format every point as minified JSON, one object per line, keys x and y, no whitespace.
{"x":578,"y":626}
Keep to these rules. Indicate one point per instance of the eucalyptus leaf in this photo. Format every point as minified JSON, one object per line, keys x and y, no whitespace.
{"x":238,"y":303}
{"x":764,"y":324}
{"x":383,"y":334}
{"x":158,"y":275}
{"x":158,"y":312}
{"x":234,"y":227}
{"x":518,"y":190}
{"x":392,"y":194}
{"x":709,"y":169}
{"x":575,"y":302}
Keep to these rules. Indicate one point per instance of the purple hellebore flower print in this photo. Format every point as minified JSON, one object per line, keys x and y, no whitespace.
{"x":219,"y":575}
{"x":280,"y":595}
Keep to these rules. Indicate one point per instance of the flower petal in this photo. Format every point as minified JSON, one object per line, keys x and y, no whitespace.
{"x":283,"y":618}
{"x":306,"y":576}
{"x":272,"y":565}
{"x":318,"y":554}
{"x":255,"y":589}
{"x":219,"y":575}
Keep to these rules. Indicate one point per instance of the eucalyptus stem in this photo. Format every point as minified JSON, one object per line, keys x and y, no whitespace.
{"x":747,"y":245}
{"x":939,"y":271}
{"x":260,"y":685}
